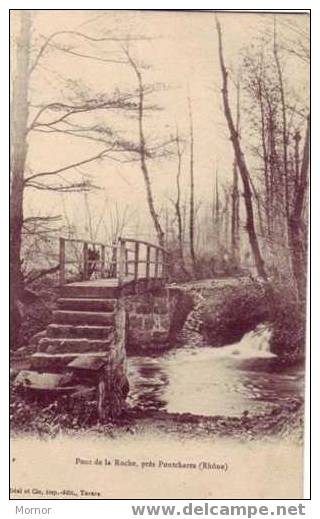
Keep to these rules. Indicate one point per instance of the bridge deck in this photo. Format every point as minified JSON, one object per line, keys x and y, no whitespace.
{"x":103,"y":283}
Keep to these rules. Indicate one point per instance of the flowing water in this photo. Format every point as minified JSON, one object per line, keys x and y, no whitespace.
{"x":229,"y":381}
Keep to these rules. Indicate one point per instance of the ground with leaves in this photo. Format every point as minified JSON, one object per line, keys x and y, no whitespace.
{"x":78,"y":415}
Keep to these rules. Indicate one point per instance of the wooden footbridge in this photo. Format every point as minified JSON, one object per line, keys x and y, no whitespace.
{"x":125,"y":262}
{"x":85,"y":343}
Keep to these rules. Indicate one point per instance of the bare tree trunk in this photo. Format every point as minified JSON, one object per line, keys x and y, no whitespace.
{"x":244,"y":172}
{"x":297,"y":138}
{"x":225,"y":221}
{"x":265,"y":160}
{"x":191,"y":221}
{"x":235,"y":217}
{"x":184,"y":219}
{"x":166,"y":226}
{"x":235,"y":249}
{"x":276,"y":187}
{"x":178,"y":204}
{"x":285,"y":137}
{"x":19,"y":122}
{"x":143,"y":155}
{"x":296,"y":236}
{"x":259,"y":211}
{"x":217,"y":211}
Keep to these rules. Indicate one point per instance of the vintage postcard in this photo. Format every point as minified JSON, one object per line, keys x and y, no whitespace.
{"x":158,"y":253}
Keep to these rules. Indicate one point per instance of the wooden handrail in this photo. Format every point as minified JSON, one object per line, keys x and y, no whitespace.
{"x":89,"y":242}
{"x":103,"y":260}
{"x":156,"y":269}
{"x":132,"y":240}
{"x":136,"y":259}
{"x":85,"y":260}
{"x":148,"y":262}
{"x":118,"y":262}
{"x":62,"y":261}
{"x":122,"y":266}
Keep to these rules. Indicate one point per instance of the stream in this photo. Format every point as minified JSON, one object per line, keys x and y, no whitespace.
{"x":232,"y":380}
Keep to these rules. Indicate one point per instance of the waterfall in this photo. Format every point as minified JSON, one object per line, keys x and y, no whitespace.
{"x":255,"y":343}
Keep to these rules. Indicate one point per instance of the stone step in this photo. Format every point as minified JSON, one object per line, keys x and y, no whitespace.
{"x":91,"y":292}
{"x":66,"y":331}
{"x":56,"y":363}
{"x":75,"y":317}
{"x":44,"y":381}
{"x":63,"y":345}
{"x":87,"y":304}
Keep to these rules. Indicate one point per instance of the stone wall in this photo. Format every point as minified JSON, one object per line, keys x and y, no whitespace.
{"x":151,"y":317}
{"x":115,"y":371}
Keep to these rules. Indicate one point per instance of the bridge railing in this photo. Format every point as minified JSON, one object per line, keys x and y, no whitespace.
{"x":80,"y":259}
{"x":126,"y":259}
{"x":141,"y":260}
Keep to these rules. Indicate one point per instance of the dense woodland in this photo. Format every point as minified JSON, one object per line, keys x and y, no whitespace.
{"x":254,"y":221}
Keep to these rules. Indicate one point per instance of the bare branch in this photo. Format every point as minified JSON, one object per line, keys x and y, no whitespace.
{"x":78,"y":34}
{"x":72,"y":188}
{"x":119,"y":103}
{"x":34,"y":219}
{"x":99,"y":156}
{"x":88,"y":56}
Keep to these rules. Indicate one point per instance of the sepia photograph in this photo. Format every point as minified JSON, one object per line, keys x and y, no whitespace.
{"x":159,"y":219}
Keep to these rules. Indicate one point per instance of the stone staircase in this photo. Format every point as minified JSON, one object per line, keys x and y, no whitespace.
{"x":83,"y":327}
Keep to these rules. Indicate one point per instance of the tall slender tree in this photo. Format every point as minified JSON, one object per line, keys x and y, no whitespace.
{"x":192,"y":205}
{"x":297,"y":232}
{"x":19,"y":147}
{"x":235,"y":207}
{"x":241,"y":162}
{"x":143,"y":151}
{"x":177,"y":203}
